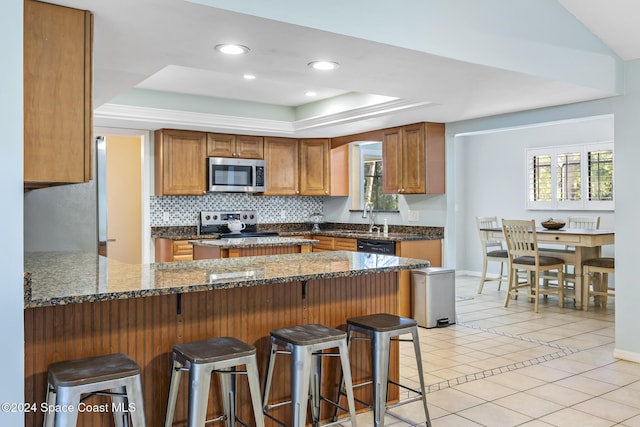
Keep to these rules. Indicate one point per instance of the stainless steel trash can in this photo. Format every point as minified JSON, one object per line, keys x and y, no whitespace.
{"x":434,"y":296}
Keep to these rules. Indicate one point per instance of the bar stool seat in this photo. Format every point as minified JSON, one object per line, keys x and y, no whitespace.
{"x":380,"y":329}
{"x":203,"y":358}
{"x":305,"y":344}
{"x":69,"y":380}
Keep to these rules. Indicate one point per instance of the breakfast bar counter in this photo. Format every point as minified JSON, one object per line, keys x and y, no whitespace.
{"x":79,"y":304}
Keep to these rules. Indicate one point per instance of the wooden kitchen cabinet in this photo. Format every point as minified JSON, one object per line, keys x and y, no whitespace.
{"x":241,"y":146}
{"x":281,"y":157}
{"x":413,"y":159}
{"x":314,"y":163}
{"x":180,"y":162}
{"x":345,"y":244}
{"x":57,"y":95}
{"x":339,"y":173}
{"x":168,"y":250}
{"x":328,"y":243}
{"x":430,"y":250}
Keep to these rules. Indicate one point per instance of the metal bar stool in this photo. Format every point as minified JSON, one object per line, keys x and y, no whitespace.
{"x":380,"y":329}
{"x":202,"y":359}
{"x":305,"y":344}
{"x":114,"y":375}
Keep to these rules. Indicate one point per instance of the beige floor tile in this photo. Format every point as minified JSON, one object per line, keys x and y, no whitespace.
{"x":572,"y":418}
{"x":453,"y":420}
{"x":490,"y":414}
{"x":544,"y":373}
{"x":611,"y":375}
{"x":607,"y":409}
{"x":626,"y":395}
{"x":558,"y":394}
{"x":453,"y":400}
{"x":586,"y":385}
{"x":516,"y":381}
{"x":632,"y":422}
{"x":510,"y":366}
{"x":526,"y":404}
{"x":485,"y":390}
{"x":571,"y":366}
{"x":535,"y":423}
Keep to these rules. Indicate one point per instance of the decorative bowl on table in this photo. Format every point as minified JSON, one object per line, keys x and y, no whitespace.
{"x":553,"y":224}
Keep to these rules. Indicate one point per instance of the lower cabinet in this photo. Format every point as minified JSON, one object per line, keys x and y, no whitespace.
{"x":430,"y":250}
{"x":168,"y":250}
{"x":328,"y":243}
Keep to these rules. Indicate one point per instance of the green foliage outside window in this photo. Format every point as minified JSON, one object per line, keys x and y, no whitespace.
{"x":373,"y":187}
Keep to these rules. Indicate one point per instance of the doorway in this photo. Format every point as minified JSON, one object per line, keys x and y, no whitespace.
{"x":119,"y":173}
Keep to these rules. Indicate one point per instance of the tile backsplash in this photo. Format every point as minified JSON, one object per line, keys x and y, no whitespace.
{"x":183,"y":210}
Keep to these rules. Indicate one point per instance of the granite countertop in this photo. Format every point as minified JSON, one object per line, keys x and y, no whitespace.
{"x":345,"y":230}
{"x":253,"y":242}
{"x":56,"y":278}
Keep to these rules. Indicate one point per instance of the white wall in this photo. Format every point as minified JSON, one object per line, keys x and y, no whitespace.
{"x":11,"y":258}
{"x":492,"y":178}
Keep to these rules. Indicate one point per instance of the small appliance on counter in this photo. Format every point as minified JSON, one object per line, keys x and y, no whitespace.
{"x":316,"y":219}
{"x":232,"y":224}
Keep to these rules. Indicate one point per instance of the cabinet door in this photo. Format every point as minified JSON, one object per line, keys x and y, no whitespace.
{"x":345,"y":244}
{"x":413,"y":159}
{"x":250,"y":147}
{"x":281,"y":156}
{"x":314,"y":167}
{"x":57,"y":94}
{"x":180,"y":162}
{"x":221,"y":145}
{"x":435,"y":153}
{"x":392,"y":161}
{"x":339,"y":171}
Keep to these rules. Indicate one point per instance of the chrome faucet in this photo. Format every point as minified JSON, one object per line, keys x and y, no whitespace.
{"x":368,"y":210}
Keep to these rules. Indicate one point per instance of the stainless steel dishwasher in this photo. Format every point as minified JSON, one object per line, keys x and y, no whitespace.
{"x":375,"y":246}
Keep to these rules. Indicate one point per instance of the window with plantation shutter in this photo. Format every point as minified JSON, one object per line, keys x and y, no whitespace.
{"x":578,"y":177}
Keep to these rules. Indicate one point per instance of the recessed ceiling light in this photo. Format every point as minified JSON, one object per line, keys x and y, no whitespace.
{"x":323,"y":65}
{"x":232,"y":49}
{"x":249,"y":77}
{"x":310,"y":93}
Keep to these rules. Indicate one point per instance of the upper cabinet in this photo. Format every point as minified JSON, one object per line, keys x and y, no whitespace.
{"x":243,"y":146}
{"x":57,"y":95}
{"x":414,"y":159}
{"x":315,"y":163}
{"x":281,"y":157}
{"x":180,"y":162}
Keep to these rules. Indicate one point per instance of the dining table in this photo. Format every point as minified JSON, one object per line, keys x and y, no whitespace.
{"x":572,"y":245}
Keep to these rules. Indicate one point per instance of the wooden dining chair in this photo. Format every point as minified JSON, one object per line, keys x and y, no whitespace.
{"x":492,"y":250}
{"x":522,"y":247}
{"x":596,"y":272}
{"x":585,"y":222}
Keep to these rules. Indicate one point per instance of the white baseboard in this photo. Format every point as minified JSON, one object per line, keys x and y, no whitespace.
{"x":626,"y":355}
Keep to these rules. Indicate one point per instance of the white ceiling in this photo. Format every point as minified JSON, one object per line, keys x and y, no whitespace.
{"x":167,"y":46}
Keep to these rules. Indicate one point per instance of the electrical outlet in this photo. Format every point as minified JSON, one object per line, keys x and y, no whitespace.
{"x":413,"y":216}
{"x":283,"y":214}
{"x":165,"y":216}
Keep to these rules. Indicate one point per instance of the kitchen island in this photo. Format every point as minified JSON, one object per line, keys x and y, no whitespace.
{"x":249,"y":246}
{"x":79,"y":304}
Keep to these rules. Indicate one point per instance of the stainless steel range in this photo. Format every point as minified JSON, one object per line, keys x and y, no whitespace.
{"x":217,"y":222}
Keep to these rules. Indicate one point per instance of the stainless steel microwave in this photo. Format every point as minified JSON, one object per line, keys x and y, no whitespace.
{"x":236,"y":175}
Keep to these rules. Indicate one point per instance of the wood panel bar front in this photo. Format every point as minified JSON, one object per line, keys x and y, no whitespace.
{"x":146,"y":328}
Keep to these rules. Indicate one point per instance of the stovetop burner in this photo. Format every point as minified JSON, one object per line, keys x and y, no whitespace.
{"x":216,"y":222}
{"x":249,"y":234}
